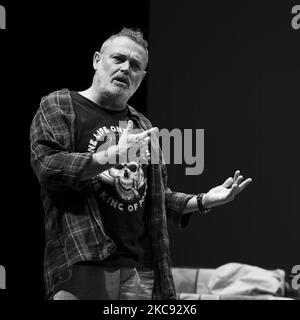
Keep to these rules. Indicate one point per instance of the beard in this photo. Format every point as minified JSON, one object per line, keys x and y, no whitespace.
{"x":115,"y":96}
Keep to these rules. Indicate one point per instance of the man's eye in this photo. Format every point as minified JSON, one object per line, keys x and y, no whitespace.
{"x":135,"y":66}
{"x":118,"y":59}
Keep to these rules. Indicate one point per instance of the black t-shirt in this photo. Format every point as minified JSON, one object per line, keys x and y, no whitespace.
{"x":120,"y":191}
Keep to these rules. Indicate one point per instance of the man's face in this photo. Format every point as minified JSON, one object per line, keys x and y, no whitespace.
{"x":120,"y":69}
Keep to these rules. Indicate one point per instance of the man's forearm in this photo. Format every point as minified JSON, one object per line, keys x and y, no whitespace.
{"x":192,"y":205}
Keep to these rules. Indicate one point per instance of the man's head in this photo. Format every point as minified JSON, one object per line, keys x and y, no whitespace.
{"x":120,"y":66}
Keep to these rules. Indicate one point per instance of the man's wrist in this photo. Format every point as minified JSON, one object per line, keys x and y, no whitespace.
{"x":201,"y":203}
{"x":204,"y":202}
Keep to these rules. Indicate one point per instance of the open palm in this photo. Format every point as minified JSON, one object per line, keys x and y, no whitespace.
{"x":225,"y":192}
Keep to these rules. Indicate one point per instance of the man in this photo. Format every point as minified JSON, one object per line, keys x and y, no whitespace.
{"x":105,"y":212}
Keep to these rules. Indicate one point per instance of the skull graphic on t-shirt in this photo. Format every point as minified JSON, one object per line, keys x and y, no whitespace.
{"x":127,"y":179}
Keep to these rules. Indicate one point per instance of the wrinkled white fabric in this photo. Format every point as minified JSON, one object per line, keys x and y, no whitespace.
{"x":243,"y":279}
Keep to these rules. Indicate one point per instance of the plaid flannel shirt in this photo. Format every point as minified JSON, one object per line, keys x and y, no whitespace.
{"x":73,"y":227}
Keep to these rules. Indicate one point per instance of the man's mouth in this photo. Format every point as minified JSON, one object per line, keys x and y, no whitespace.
{"x":122,"y":81}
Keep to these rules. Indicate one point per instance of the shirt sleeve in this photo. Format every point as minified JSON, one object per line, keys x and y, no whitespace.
{"x":176,"y":203}
{"x":53,"y":162}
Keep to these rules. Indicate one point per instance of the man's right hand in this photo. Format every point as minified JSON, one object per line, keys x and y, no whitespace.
{"x":127,"y":148}
{"x":129,"y":143}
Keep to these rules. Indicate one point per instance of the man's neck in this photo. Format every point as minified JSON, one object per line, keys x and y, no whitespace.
{"x":100,"y":101}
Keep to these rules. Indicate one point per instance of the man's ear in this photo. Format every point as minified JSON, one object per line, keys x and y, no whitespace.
{"x":96,"y":59}
{"x":144,"y":75}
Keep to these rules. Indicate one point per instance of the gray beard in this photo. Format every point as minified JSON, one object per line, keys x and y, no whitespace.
{"x":113,"y":99}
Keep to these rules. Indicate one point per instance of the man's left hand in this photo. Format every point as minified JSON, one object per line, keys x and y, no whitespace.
{"x":225,"y":192}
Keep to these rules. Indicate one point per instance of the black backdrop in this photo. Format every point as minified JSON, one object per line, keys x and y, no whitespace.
{"x":231,"y":69}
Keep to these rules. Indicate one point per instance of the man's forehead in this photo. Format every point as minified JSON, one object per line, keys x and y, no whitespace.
{"x":125,"y":45}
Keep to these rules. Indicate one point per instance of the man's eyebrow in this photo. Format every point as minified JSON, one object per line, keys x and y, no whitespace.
{"x":123,"y":55}
{"x":139,"y":62}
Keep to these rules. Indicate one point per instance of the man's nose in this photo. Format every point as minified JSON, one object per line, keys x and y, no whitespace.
{"x":125,"y":67}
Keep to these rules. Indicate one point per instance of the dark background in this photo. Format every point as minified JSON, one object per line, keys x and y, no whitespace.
{"x":232,"y":68}
{"x":229,"y":68}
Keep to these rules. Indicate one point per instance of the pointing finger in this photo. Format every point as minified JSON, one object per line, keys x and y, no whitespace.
{"x":128,"y":128}
{"x":129,"y":125}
